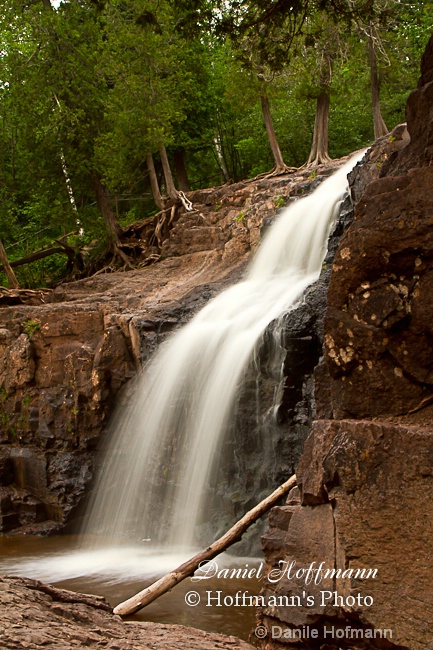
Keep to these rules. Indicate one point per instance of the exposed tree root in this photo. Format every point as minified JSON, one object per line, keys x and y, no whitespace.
{"x":106,"y":269}
{"x":113,"y":257}
{"x":279,"y":170}
{"x":23,"y":296}
{"x":173,"y":214}
{"x":320,"y":159}
{"x":117,"y":252}
{"x":161,"y":218}
{"x":185,"y":202}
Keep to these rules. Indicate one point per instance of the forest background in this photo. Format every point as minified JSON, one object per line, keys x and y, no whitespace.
{"x":110,"y":108}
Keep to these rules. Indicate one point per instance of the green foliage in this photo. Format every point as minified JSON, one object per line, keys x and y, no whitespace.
{"x":31,"y":327}
{"x":51,"y":104}
{"x":90,"y":88}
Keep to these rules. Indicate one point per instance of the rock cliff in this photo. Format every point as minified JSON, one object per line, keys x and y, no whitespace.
{"x":66,"y":356}
{"x":365,"y":480}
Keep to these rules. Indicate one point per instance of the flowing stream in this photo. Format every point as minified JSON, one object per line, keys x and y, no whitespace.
{"x":155,"y":479}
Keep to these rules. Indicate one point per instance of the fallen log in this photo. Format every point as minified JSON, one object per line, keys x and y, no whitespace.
{"x":37,"y":255}
{"x":170,"y":580}
{"x":42,"y":253}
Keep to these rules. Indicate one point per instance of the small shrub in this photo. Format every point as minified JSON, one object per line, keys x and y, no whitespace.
{"x":31,"y":327}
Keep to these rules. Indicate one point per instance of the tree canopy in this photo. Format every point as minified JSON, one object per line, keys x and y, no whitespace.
{"x":101,"y":99}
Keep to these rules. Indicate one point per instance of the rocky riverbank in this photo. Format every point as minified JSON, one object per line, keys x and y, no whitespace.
{"x":35,"y":615}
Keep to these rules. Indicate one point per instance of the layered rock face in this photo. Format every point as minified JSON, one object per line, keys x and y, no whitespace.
{"x":365,"y":480}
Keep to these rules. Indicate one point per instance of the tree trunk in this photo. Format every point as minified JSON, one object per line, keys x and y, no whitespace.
{"x":102,"y":198}
{"x":159,"y":201}
{"x":181,"y":173}
{"x":68,"y":182}
{"x":319,"y":148}
{"x":13,"y":282}
{"x":169,"y":183}
{"x":380,"y":127}
{"x":280,"y":165}
{"x":66,"y":171}
{"x":220,"y":158}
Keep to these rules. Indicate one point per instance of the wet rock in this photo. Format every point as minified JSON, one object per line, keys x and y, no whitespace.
{"x":7,"y":473}
{"x":377,"y":160}
{"x":377,"y":329}
{"x":378,"y":334}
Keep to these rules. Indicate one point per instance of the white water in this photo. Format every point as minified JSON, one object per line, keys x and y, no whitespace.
{"x":154,"y":481}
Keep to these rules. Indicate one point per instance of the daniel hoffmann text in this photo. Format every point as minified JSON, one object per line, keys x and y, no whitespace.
{"x":314,"y":574}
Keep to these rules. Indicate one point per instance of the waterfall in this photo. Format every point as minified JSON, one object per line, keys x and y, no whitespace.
{"x":163,"y":450}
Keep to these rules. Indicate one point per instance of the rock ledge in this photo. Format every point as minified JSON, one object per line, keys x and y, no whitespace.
{"x":35,"y":615}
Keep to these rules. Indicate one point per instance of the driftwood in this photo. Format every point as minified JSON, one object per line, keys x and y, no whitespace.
{"x":170,"y":580}
{"x":66,"y":596}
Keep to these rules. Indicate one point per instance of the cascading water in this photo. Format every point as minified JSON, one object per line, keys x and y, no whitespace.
{"x":155,"y":479}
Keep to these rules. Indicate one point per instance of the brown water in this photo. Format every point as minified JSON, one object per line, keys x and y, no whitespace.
{"x":119,"y":573}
